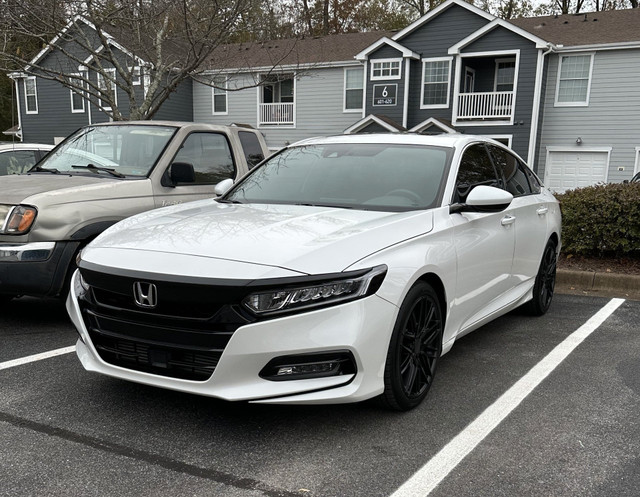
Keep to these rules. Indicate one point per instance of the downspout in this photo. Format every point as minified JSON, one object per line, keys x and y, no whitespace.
{"x":405,"y":110}
{"x":537,"y":96}
{"x":15,"y":76}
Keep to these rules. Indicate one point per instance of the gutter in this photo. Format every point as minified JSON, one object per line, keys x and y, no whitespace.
{"x":537,"y":98}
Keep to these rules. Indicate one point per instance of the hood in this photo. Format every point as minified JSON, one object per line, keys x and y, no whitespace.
{"x":45,"y":188}
{"x":304,"y":239}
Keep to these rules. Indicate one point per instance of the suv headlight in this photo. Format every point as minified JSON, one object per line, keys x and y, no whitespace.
{"x":16,"y":219}
{"x":334,"y":289}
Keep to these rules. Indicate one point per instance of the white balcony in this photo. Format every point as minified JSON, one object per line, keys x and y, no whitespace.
{"x":280,"y":114}
{"x":496,"y":105}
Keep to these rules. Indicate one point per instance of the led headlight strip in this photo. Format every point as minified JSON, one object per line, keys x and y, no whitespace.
{"x":319,"y":294}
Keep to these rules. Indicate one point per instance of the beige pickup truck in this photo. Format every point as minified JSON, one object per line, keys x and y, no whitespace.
{"x":100,"y":175}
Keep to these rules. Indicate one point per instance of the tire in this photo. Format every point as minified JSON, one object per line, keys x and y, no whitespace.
{"x":545,"y":282}
{"x":414,"y":350}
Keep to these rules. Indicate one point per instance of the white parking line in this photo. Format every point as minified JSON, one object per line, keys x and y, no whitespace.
{"x":36,"y":357}
{"x":433,"y":472}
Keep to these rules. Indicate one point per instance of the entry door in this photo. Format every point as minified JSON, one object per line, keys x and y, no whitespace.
{"x":469,"y":79}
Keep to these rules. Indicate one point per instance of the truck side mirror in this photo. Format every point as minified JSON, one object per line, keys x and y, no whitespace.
{"x":182,"y":172}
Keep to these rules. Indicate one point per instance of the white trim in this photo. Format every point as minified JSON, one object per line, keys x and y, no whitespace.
{"x":259,"y":86}
{"x":456,"y":88}
{"x":386,"y":41}
{"x":373,"y":63}
{"x":432,"y":121}
{"x":437,"y":11}
{"x":135,"y":80}
{"x":344,"y":91}
{"x":281,"y":68}
{"x":35,"y":94}
{"x":627,"y":45}
{"x":576,"y":148}
{"x":535,"y":113}
{"x":363,"y":123}
{"x":226,"y":98}
{"x":422,"y":83}
{"x":364,"y":90}
{"x":455,"y":49}
{"x":509,"y":138}
{"x":557,"y":103}
{"x":636,"y":167}
{"x":80,"y":94}
{"x":15,"y":77}
{"x":405,"y":107}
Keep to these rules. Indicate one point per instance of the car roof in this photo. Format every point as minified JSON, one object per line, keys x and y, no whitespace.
{"x":24,"y":146}
{"x":445,"y":140}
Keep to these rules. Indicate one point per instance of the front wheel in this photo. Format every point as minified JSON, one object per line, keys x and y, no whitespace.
{"x":416,"y":345}
{"x":545,"y":282}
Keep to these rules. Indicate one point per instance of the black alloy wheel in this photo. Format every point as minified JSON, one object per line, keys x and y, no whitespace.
{"x":416,"y":346}
{"x":545,"y":282}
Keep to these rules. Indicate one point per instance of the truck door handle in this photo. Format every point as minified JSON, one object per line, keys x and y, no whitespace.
{"x":507,"y":220}
{"x":542,"y":211}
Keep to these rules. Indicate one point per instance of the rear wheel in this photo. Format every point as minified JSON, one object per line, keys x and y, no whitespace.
{"x":545,"y":283}
{"x":416,"y":345}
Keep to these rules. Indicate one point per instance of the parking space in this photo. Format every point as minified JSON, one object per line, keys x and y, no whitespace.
{"x":64,"y":431}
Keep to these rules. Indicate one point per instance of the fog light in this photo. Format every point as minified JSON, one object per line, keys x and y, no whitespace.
{"x":306,"y":366}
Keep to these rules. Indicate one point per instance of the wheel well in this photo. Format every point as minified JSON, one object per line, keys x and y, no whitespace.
{"x":554,"y":238}
{"x":436,"y":283}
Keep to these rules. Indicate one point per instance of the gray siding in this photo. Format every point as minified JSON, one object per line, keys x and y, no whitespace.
{"x":392,"y":111}
{"x":178,"y":107}
{"x":319,"y":97}
{"x":610,"y":119}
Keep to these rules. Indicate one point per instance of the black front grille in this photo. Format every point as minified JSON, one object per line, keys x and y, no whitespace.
{"x":183,"y":337}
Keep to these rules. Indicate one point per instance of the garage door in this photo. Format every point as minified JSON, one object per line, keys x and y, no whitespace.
{"x":567,"y":170}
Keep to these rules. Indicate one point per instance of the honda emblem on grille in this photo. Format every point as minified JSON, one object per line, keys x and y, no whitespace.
{"x":145,"y":294}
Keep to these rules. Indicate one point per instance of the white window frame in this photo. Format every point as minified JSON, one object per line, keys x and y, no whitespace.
{"x":636,"y":167}
{"x":222,"y":80}
{"x":495,"y":75}
{"x":73,"y":93}
{"x":422,"y":83}
{"x":375,"y":62}
{"x":584,"y":103}
{"x":136,"y":73}
{"x":101,"y":82}
{"x":497,"y":138}
{"x":34,"y":95}
{"x":344,"y":92}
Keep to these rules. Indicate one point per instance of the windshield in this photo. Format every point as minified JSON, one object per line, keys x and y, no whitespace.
{"x":353,"y":175}
{"x":130,"y":150}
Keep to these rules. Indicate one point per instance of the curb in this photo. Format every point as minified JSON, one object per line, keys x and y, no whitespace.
{"x":607,"y":284}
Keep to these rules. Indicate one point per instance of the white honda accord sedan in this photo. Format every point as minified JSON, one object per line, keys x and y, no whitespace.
{"x":338,"y":270}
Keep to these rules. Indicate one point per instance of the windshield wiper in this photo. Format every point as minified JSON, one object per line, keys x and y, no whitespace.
{"x":228,"y":201}
{"x":93,"y":167}
{"x":39,"y":169}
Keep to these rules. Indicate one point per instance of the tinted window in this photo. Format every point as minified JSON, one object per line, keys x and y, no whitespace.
{"x":210,"y":155}
{"x":370,"y":176}
{"x":536,"y":186}
{"x":475,"y":169}
{"x":17,"y":161}
{"x":513,"y":177}
{"x":251,"y":147}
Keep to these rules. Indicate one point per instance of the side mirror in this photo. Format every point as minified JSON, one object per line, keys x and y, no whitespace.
{"x":223,"y":187}
{"x":182,"y":172}
{"x":484,"y":198}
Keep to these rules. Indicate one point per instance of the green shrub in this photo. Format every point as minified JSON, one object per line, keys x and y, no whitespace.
{"x":602,"y":220}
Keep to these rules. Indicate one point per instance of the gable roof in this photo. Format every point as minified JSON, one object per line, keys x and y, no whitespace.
{"x":594,"y":28}
{"x":386,"y":41}
{"x":496,"y":23}
{"x":293,"y":51}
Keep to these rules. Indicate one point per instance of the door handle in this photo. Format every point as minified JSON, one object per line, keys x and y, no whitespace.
{"x":507,"y":220}
{"x":542,"y":211}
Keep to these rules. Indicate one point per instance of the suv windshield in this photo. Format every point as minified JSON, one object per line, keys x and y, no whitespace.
{"x":127,"y":150}
{"x":370,"y":176}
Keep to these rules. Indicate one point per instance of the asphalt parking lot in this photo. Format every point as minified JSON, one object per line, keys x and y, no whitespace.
{"x":571,"y":430}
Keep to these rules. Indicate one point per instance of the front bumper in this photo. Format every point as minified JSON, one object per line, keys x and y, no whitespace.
{"x":37,"y":268}
{"x":362,"y":327}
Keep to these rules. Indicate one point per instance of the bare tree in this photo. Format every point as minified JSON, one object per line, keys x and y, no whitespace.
{"x":143,"y":48}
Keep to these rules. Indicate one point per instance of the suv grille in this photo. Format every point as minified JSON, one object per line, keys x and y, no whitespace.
{"x":182,"y":337}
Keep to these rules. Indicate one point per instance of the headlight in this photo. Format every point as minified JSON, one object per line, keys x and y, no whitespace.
{"x":17,"y":220}
{"x":80,"y":286}
{"x":333,"y":290}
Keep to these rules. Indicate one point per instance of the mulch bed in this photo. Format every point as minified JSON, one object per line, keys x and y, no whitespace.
{"x":622,"y":265}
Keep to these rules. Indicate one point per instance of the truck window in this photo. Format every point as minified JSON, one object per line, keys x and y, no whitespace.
{"x":251,"y":147}
{"x":210,"y":155}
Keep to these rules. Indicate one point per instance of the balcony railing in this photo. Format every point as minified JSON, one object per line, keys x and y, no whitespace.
{"x":496,"y":105}
{"x":276,"y":114}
